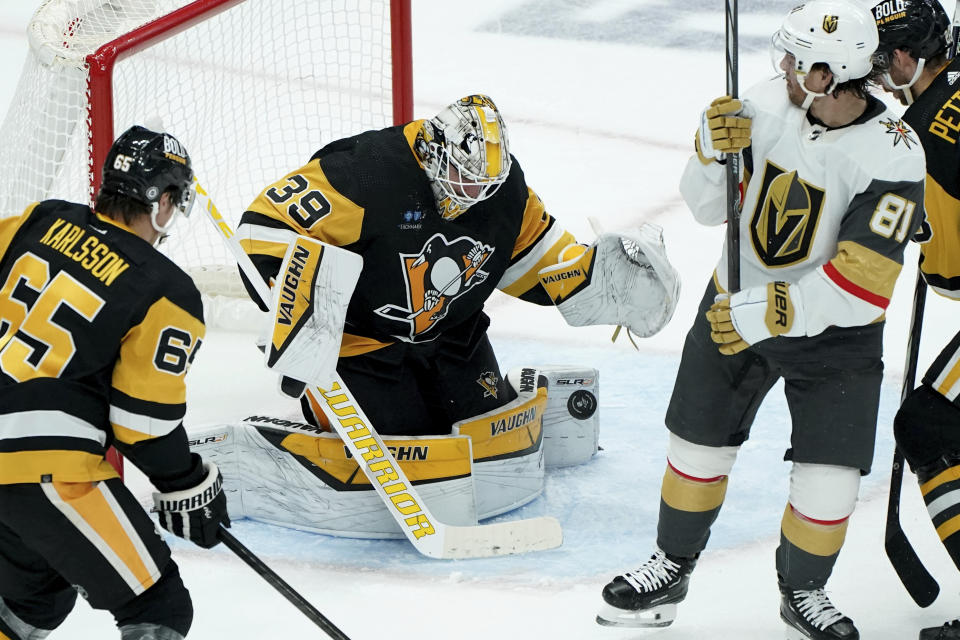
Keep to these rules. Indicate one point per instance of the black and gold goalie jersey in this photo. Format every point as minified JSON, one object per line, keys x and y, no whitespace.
{"x":422,"y":275}
{"x":97,"y":331}
{"x":935,"y":116}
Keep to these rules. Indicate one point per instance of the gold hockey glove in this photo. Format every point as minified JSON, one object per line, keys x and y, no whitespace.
{"x":755,"y":314}
{"x":724,"y":128}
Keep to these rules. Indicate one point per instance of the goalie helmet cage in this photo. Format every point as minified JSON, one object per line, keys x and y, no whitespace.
{"x":252,"y":88}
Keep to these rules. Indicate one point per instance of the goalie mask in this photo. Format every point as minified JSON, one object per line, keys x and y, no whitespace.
{"x":837,"y":33}
{"x":465,"y":152}
{"x":143,"y":164}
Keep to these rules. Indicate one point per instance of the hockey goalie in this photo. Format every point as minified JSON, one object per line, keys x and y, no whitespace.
{"x":381,"y":252}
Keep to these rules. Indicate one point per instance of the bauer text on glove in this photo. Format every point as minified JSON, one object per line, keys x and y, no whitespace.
{"x":755,"y":314}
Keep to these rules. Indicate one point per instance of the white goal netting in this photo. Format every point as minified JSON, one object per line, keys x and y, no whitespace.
{"x":251,"y":92}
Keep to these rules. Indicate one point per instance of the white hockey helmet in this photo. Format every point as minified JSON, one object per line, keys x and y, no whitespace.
{"x":838,"y":33}
{"x":466,"y":154}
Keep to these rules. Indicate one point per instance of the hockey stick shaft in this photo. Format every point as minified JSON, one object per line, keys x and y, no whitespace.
{"x":428,"y":535}
{"x":733,"y":159}
{"x":280,"y":585}
{"x":921,"y":586}
{"x":954,"y":31}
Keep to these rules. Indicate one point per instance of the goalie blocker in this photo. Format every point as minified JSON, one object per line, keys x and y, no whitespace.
{"x":310,"y":298}
{"x":294,"y":474}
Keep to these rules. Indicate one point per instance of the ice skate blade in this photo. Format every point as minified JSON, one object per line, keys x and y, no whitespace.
{"x":660,"y":616}
{"x":792,"y":633}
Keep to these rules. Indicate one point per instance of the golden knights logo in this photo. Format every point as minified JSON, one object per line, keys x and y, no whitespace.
{"x":442,"y":272}
{"x":900,"y":132}
{"x":830,"y":23}
{"x":785,"y":219}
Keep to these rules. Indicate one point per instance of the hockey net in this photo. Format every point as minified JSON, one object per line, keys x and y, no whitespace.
{"x":251,"y":88}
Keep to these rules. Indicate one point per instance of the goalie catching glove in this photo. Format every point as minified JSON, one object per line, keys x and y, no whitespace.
{"x":724,"y":128}
{"x":621,"y":279}
{"x":195,"y":514}
{"x":755,"y":314}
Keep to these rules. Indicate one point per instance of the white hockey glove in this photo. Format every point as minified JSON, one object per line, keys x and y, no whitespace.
{"x":195,"y":514}
{"x":310,"y":298}
{"x":724,"y":128}
{"x":755,"y":314}
{"x":621,"y":279}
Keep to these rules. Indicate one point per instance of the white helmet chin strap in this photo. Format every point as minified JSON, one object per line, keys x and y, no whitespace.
{"x":164,"y":230}
{"x":811,"y":95}
{"x":905,"y":88}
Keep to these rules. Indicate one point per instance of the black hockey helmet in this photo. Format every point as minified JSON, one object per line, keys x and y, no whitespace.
{"x":143,"y":164}
{"x":918,"y":26}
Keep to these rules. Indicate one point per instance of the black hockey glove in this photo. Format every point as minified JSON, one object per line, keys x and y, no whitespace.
{"x":195,"y":514}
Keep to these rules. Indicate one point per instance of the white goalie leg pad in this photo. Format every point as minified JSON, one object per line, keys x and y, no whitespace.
{"x":824,"y":492}
{"x":218,"y":444}
{"x":571,"y":421}
{"x":310,"y":297}
{"x":621,"y":279}
{"x":508,"y":446}
{"x":700,"y":461}
{"x":292,"y":474}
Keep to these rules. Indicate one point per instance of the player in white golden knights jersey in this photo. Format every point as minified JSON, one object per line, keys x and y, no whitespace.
{"x":913,"y":52}
{"x":97,"y":331}
{"x":832,"y":191}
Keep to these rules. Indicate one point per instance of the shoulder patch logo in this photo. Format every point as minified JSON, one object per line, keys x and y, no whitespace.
{"x":411,"y":219}
{"x":953,"y":76}
{"x":900,"y":132}
{"x":488,"y":380}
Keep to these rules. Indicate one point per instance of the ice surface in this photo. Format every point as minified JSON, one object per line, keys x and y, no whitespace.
{"x":602,"y":97}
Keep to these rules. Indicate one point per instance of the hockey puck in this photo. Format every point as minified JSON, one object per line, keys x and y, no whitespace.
{"x":582,"y":404}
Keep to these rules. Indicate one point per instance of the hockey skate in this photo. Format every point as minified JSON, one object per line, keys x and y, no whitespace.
{"x":811,"y":616}
{"x":648,"y":596}
{"x":949,"y":631}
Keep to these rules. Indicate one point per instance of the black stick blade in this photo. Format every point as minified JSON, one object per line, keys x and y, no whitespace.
{"x":921,"y":586}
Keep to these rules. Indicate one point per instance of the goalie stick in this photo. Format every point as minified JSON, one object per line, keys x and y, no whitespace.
{"x":280,"y":585}
{"x":921,"y":586}
{"x":428,"y":535}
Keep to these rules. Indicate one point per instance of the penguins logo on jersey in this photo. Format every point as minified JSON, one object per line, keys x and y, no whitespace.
{"x":488,"y":380}
{"x":436,"y":276}
{"x":785,"y":220}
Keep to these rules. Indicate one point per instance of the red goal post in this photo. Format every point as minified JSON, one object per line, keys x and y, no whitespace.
{"x":250,"y":87}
